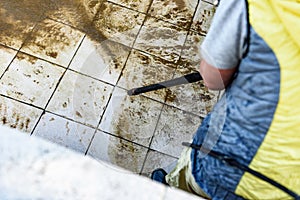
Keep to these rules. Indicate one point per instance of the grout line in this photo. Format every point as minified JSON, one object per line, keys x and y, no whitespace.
{"x":100,"y":120}
{"x":12,"y":48}
{"x":126,"y":7}
{"x":155,"y":56}
{"x":124,"y":66}
{"x":88,"y":76}
{"x":119,"y":137}
{"x":90,"y":144}
{"x":69,"y":119}
{"x":144,"y":162}
{"x":206,"y":1}
{"x":23,"y":102}
{"x":149,"y":147}
{"x":42,"y":59}
{"x":135,"y":143}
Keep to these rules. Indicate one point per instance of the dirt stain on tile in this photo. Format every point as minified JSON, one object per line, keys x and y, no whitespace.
{"x":19,"y":17}
{"x":124,"y":154}
{"x":14,"y":119}
{"x":175,"y":11}
{"x":78,"y":114}
{"x":30,"y":59}
{"x":204,"y":18}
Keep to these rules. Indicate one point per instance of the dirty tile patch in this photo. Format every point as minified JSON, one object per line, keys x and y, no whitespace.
{"x":203,"y":17}
{"x":174,"y":127}
{"x":132,"y":118}
{"x":80,"y":98}
{"x":64,"y":132}
{"x":192,"y":97}
{"x":30,"y":80}
{"x":143,"y":69}
{"x":53,"y":41}
{"x":138,"y":5}
{"x":15,"y":23}
{"x":178,"y":12}
{"x":78,"y":14}
{"x":18,"y":115}
{"x":156,"y":160}
{"x":103,"y":61}
{"x":117,"y":151}
{"x":161,"y":39}
{"x":118,"y":23}
{"x":6,"y":56}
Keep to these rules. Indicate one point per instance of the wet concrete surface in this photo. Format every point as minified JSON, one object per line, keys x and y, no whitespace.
{"x":66,"y":65}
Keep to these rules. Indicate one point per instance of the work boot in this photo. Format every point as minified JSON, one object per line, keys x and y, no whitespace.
{"x":159,"y":176}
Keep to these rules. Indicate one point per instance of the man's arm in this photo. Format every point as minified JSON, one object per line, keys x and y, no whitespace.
{"x":214,"y":78}
{"x":224,"y":45}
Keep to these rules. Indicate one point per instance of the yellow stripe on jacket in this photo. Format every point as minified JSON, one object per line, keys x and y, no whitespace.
{"x":278,"y":23}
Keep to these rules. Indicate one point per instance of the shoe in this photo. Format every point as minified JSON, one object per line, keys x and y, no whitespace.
{"x":159,"y":176}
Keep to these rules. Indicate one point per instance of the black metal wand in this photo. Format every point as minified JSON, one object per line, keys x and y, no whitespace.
{"x":189,"y":78}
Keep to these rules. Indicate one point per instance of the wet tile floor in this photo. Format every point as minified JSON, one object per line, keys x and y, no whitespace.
{"x":66,"y":66}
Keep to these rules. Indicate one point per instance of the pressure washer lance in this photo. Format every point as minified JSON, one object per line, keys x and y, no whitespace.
{"x":189,"y":78}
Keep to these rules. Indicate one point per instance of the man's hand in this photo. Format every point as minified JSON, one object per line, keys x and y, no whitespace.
{"x":214,"y":78}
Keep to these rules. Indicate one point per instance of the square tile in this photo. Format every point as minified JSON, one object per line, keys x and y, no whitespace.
{"x":30,"y":80}
{"x":103,"y":61}
{"x":133,"y":118}
{"x":78,"y":14}
{"x":80,"y":98}
{"x":203,"y":17}
{"x":191,"y":50}
{"x":138,"y":5}
{"x":143,"y":69}
{"x":16,"y":22}
{"x":18,"y":115}
{"x":156,"y":160}
{"x":178,"y":12}
{"x":53,"y":41}
{"x":173,"y":128}
{"x":6,"y":56}
{"x":118,"y":23}
{"x":64,"y":132}
{"x":191,"y":97}
{"x":161,"y":39}
{"x":117,"y":151}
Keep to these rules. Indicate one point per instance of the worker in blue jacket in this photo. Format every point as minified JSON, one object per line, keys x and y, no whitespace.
{"x":248,"y":147}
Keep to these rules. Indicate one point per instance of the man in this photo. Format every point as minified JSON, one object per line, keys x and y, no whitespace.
{"x":253,"y":51}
